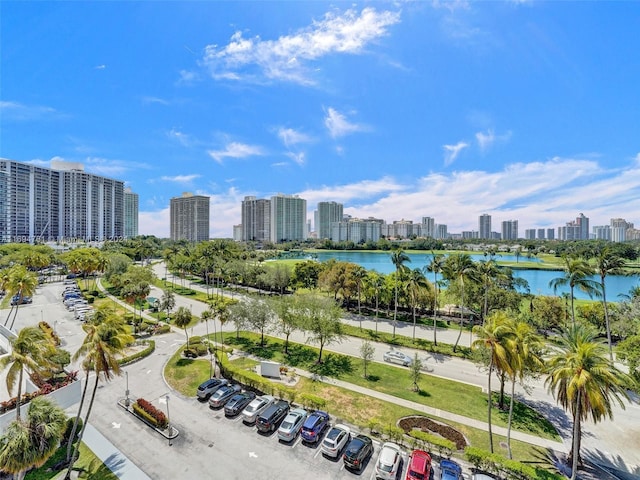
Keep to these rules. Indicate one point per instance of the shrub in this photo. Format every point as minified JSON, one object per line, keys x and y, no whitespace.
{"x":69,"y":427}
{"x":162,"y":329}
{"x":434,"y":442}
{"x":150,"y":413}
{"x":151,"y":346}
{"x":508,"y":468}
{"x":90,"y":299}
{"x":196,"y":339}
{"x":312,"y":401}
{"x":200,"y":349}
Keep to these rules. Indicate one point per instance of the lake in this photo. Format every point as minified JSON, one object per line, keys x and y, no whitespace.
{"x":538,"y":279}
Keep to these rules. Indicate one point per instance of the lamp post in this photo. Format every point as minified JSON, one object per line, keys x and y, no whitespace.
{"x":126,"y":392}
{"x":168,"y":419}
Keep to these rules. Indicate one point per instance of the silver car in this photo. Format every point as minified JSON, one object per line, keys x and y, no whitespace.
{"x":335,"y":440}
{"x":396,"y":356}
{"x":388,"y":462}
{"x":206,"y":388}
{"x":255,"y":408}
{"x":224,"y":393}
{"x":291,"y":425}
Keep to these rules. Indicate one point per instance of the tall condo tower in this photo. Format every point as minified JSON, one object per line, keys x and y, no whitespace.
{"x":288,"y":218}
{"x":130,"y":213}
{"x":484,"y":226}
{"x":256,"y":219}
{"x":190,"y":217}
{"x":328,"y":213}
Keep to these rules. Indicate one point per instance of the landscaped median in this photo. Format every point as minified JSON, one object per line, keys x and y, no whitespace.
{"x":345,"y":405}
{"x":145,"y":411}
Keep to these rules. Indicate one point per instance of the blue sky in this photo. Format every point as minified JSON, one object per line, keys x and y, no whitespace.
{"x":523,"y":110}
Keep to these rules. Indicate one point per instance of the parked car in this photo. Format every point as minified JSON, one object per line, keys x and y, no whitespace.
{"x":358,"y":450}
{"x":206,"y":388}
{"x":314,"y":425}
{"x":221,"y":395}
{"x":271,"y":417}
{"x":388,"y":462}
{"x":255,"y":408}
{"x":396,"y":356}
{"x":291,"y":425}
{"x":419,"y":466}
{"x":335,"y":440}
{"x":237,"y":403}
{"x":16,"y":300}
{"x":450,"y":470}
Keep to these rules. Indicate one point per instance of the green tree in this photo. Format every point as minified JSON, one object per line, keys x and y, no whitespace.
{"x":375,"y":282}
{"x":260,"y":316}
{"x":584,"y":382}
{"x":576,"y":274}
{"x":359,"y":274}
{"x":494,"y":336}
{"x":22,"y":283}
{"x":435,"y":266}
{"x":459,"y":269}
{"x":208,"y":314}
{"x":29,"y":350}
{"x":168,"y":302}
{"x":286,"y":310}
{"x":182,"y":319}
{"x":366,"y":353}
{"x":320,"y":319}
{"x":30,"y":443}
{"x":417,"y":291}
{"x":608,"y":262}
{"x":415,"y":370}
{"x":629,"y":352}
{"x":398,"y":258}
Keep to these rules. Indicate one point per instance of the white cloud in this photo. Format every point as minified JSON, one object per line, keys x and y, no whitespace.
{"x":338,"y":125}
{"x":100,"y":67}
{"x":109,"y":167}
{"x":235,"y":150}
{"x":157,"y":100}
{"x":487,"y":140}
{"x":288,"y":57}
{"x":20,"y":112}
{"x":297,"y":157}
{"x":182,"y":138}
{"x":451,"y":152}
{"x":187,"y":77}
{"x":291,"y":137}
{"x":180,"y":178}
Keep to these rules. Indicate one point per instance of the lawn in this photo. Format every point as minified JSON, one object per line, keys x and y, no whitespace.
{"x":90,"y":466}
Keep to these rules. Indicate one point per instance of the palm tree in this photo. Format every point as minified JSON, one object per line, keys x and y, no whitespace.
{"x":359,"y":274}
{"x":182,"y":320}
{"x":461,"y":269}
{"x":584,"y":381}
{"x":576,"y":273}
{"x":30,"y":443}
{"x":207,"y":315}
{"x":487,"y":272}
{"x":417,"y":284}
{"x":168,"y":302}
{"x":524,"y":347}
{"x":398,"y":258}
{"x":99,"y":350}
{"x":435,"y":266}
{"x":494,"y":335}
{"x":29,"y":351}
{"x":608,"y":263}
{"x":22,"y":283}
{"x":376,"y":282}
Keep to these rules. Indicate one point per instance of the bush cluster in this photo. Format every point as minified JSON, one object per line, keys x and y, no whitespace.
{"x":312,"y":401}
{"x":502,"y":466}
{"x":151,"y":414}
{"x":151,"y":346}
{"x":69,"y":427}
{"x":434,"y":442}
{"x":46,"y":328}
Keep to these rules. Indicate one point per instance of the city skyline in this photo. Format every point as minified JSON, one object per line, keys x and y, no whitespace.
{"x":445,"y":110}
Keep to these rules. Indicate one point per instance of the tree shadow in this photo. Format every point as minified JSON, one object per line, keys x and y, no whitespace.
{"x":333,"y":366}
{"x":612,"y":463}
{"x":184,"y":362}
{"x":373,"y":378}
{"x":423,"y":393}
{"x":533,"y":419}
{"x":299,"y":355}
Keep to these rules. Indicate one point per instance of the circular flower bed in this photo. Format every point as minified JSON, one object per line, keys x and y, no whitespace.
{"x":427,"y":425}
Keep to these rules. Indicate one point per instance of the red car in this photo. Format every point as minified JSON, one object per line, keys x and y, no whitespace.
{"x":419,"y":466}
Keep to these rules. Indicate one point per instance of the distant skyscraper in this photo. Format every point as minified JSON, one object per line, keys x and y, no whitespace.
{"x":256,"y":219}
{"x":484,"y":226}
{"x":576,"y":230}
{"x":288,"y":218}
{"x":130,"y":213}
{"x":61,"y":203}
{"x":328,"y":213}
{"x":510,"y":230}
{"x":541,"y":234}
{"x":428,"y":227}
{"x":550,"y":234}
{"x":190,"y":217}
{"x":530,"y":234}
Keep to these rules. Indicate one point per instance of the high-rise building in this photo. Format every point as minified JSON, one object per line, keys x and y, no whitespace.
{"x":530,"y":234}
{"x":61,"y":203}
{"x":550,"y":234}
{"x":484,"y":226}
{"x":356,"y":230}
{"x":429,"y":227}
{"x":541,"y":234}
{"x":190,"y":217}
{"x":256,"y":219}
{"x":575,"y":230}
{"x":510,"y":230}
{"x":130,"y":213}
{"x":602,"y":232}
{"x":288,"y":220}
{"x":328,"y":213}
{"x":441,"y":231}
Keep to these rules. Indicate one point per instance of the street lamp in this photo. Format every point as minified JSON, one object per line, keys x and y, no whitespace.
{"x":168,"y":420}
{"x":126,"y":392}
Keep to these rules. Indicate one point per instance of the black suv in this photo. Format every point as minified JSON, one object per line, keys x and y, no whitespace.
{"x":357,"y":452}
{"x":237,"y":403}
{"x":269,"y":420}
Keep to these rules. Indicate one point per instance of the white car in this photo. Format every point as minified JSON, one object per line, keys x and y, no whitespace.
{"x":335,"y":440}
{"x":255,"y":408}
{"x":388,"y":462}
{"x":396,"y":356}
{"x":291,"y":425}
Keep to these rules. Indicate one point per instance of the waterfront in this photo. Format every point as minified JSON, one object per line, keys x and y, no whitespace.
{"x":538,"y":279}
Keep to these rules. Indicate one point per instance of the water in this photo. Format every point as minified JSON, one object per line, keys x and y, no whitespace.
{"x":538,"y":279}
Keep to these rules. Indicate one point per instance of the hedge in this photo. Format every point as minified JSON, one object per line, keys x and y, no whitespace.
{"x":313,"y":401}
{"x":151,"y":346}
{"x":150,"y":413}
{"x":510,"y":469}
{"x":434,"y":442}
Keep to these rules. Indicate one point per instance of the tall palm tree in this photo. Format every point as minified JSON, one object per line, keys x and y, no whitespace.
{"x":417,"y":285}
{"x":488,"y":271}
{"x":22,"y":283}
{"x":29,"y":350}
{"x":460,"y":269}
{"x":584,"y":381}
{"x":359,"y":274}
{"x":435,"y":267}
{"x":103,"y":342}
{"x":398,"y":258}
{"x":375,"y":282}
{"x":494,"y":335}
{"x":576,"y":274}
{"x":30,"y":443}
{"x":207,"y":315}
{"x":608,"y":263}
{"x":182,"y":319}
{"x":524,"y":356}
